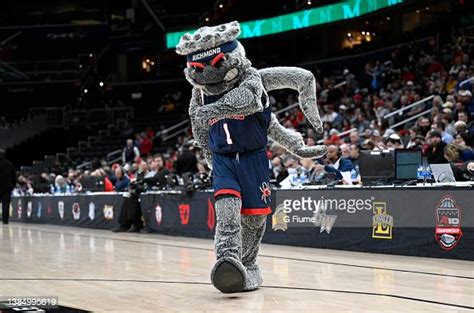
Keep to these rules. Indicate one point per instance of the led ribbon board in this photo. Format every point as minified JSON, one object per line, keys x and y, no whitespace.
{"x":301,"y":19}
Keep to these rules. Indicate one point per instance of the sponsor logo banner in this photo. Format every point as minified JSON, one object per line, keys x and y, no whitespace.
{"x":448,"y":231}
{"x":184,"y":212}
{"x":382,"y":222}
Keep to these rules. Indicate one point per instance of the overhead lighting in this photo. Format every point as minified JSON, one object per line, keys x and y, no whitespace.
{"x":363,"y":33}
{"x":85,"y":90}
{"x":101,"y":84}
{"x":207,"y":19}
{"x":91,"y":55}
{"x":221,"y":5}
{"x":388,"y":18}
{"x":427,"y":8}
{"x":417,"y":11}
{"x":366,"y":22}
{"x":349,"y":35}
{"x":309,"y":2}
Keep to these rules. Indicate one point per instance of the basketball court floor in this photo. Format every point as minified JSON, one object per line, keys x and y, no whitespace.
{"x":101,"y":271}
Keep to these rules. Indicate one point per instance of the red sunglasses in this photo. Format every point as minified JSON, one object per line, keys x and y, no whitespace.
{"x":215,"y":61}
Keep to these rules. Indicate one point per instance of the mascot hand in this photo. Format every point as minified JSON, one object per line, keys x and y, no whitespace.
{"x":311,"y":152}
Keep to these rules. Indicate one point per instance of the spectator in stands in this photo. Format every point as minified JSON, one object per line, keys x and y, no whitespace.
{"x":345,"y":150}
{"x":451,"y":154}
{"x":187,"y":161}
{"x":368,"y":144}
{"x":466,"y":153}
{"x":159,"y":172}
{"x":424,"y":126}
{"x":465,"y":97}
{"x":435,"y":152}
{"x":362,"y":121}
{"x":60,"y":186}
{"x":71,"y":180}
{"x":130,"y":152}
{"x":142,"y":170}
{"x":331,"y":116}
{"x":7,"y":183}
{"x":146,"y":145}
{"x":441,"y":128}
{"x":355,"y":138}
{"x":120,"y":181}
{"x":394,"y":142}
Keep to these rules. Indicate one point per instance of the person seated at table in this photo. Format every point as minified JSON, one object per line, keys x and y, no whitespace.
{"x":120,"y":180}
{"x":60,"y":186}
{"x":451,"y":154}
{"x":335,"y":163}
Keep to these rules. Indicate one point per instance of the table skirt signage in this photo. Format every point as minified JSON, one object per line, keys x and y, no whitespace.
{"x":430,"y":222}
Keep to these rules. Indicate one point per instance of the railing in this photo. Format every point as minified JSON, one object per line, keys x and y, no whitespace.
{"x":17,"y":134}
{"x":85,"y":165}
{"x":410,"y":118}
{"x":56,"y":117}
{"x":408,"y":107}
{"x":114,"y":156}
{"x":176,"y":133}
{"x":466,"y":81}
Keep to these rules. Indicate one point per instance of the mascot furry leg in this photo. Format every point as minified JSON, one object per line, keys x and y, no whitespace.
{"x":228,"y":274}
{"x":253,"y":228}
{"x":237,"y":242}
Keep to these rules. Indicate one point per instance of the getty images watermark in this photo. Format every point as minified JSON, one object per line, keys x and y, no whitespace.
{"x":318,"y":212}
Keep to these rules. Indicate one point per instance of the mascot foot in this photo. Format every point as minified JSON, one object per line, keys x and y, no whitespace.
{"x":254,"y":278}
{"x":228,"y":275}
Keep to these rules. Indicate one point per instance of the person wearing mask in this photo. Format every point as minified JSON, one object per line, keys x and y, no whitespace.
{"x":7,"y":183}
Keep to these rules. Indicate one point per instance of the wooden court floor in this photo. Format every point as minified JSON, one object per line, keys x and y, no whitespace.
{"x":102,"y":271}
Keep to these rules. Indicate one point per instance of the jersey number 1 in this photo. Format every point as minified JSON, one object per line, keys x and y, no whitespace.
{"x":227,"y":134}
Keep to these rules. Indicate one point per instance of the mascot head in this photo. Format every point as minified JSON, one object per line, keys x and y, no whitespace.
{"x":215,"y":58}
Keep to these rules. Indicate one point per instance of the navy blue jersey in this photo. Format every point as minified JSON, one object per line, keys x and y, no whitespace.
{"x":239,"y":133}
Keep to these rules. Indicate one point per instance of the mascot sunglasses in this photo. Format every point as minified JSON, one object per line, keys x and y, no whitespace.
{"x":216,"y":61}
{"x":212,"y":57}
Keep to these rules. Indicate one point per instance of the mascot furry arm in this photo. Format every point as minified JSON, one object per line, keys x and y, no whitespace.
{"x":303,"y":81}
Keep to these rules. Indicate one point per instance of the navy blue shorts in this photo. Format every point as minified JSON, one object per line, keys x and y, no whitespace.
{"x":246,"y":176}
